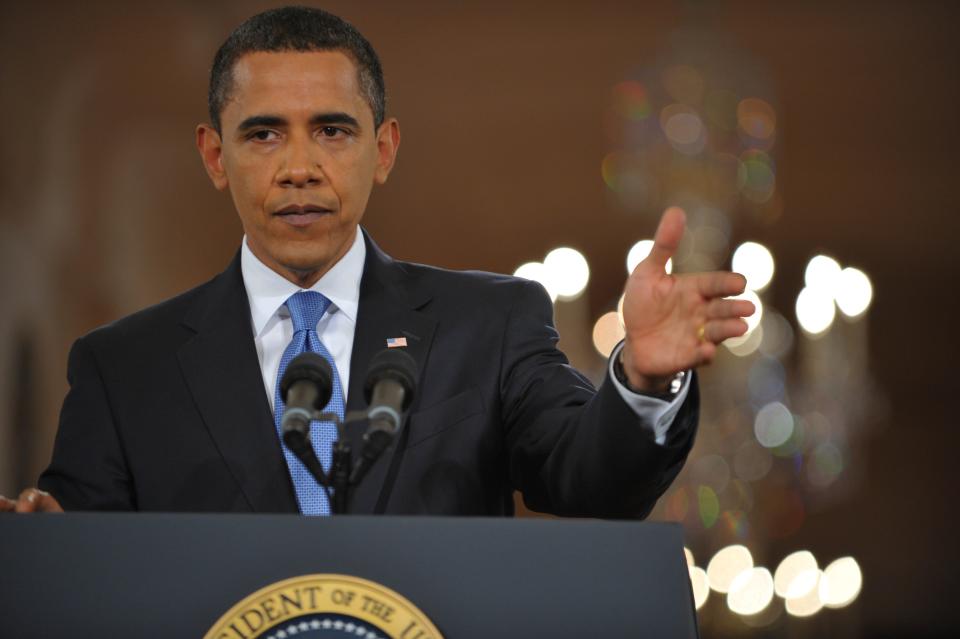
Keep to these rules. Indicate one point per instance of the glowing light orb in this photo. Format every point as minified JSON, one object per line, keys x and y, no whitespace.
{"x":726,"y":565}
{"x":569,"y":272}
{"x":607,"y":333}
{"x":700,"y":586}
{"x":755,"y":262}
{"x":815,"y":310}
{"x":822,"y":272}
{"x":841,"y":583}
{"x":796,"y":575}
{"x":854,"y":292}
{"x":750,"y":592}
{"x":807,"y":604}
{"x":773,"y":425}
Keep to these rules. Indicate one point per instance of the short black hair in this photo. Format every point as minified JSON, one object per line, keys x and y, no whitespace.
{"x":296,"y":29}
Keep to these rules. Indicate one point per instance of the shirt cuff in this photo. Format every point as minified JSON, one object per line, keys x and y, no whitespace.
{"x":655,"y":414}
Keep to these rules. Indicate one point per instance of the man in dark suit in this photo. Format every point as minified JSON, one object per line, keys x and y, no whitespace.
{"x":170,"y":408}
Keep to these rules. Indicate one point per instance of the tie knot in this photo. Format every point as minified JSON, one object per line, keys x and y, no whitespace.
{"x":306,"y":309}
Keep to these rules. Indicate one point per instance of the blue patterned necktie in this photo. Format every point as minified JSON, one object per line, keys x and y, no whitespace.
{"x":306,"y":309}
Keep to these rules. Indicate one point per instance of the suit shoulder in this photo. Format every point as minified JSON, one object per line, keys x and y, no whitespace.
{"x":154,"y":322}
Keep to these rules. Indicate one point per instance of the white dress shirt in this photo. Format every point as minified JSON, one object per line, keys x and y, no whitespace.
{"x":267,"y":291}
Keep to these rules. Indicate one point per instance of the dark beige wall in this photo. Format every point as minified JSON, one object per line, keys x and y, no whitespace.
{"x":104,"y":207}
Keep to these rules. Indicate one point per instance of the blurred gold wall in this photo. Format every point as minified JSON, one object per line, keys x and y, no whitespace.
{"x":105,"y":208}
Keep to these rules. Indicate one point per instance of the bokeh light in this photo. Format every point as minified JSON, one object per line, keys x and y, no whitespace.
{"x":825,"y":465}
{"x":746,"y":344}
{"x":755,"y":262}
{"x":766,"y":381}
{"x":607,"y":333}
{"x":569,"y":272}
{"x":756,"y":176}
{"x":683,"y":128}
{"x":537,"y":272}
{"x":773,"y":425}
{"x":822,"y":273}
{"x":807,"y":604}
{"x":630,"y":100}
{"x":756,"y":122}
{"x":709,"y":506}
{"x":815,"y":310}
{"x":796,"y":575}
{"x":777,"y":335}
{"x":750,"y":592}
{"x":726,"y":565}
{"x":639,"y":252}
{"x":699,"y":585}
{"x":841,"y":583}
{"x":854,"y":292}
{"x":688,"y":555}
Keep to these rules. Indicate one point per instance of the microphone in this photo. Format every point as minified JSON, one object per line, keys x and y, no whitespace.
{"x":306,"y":387}
{"x":389,"y":389}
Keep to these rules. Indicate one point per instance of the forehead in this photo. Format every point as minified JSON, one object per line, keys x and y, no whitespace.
{"x":288,"y":82}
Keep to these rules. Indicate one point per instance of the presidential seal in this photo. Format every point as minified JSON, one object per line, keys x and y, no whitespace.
{"x":324,"y":606}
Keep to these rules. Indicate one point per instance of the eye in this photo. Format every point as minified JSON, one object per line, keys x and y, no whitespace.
{"x":332,"y":132}
{"x":263,"y":135}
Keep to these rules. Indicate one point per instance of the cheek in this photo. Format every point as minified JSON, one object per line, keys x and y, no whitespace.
{"x":250,"y":184}
{"x":355,"y":180}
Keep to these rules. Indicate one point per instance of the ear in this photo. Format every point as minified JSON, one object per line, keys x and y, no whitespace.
{"x":211,"y":152}
{"x":388,"y":142}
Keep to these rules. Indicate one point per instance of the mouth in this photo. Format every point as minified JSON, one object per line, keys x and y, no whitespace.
{"x":302,"y":214}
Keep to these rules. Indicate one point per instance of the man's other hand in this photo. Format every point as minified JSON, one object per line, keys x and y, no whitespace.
{"x":31,"y":500}
{"x":674,"y":322}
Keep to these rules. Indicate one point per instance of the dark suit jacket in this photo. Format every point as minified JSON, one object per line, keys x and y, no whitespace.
{"x":167,"y":410}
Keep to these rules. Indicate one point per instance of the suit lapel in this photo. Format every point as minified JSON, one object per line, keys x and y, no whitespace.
{"x":221,"y":368}
{"x":388,"y":308}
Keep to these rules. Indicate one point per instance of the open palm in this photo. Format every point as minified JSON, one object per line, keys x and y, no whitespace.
{"x":675,"y":322}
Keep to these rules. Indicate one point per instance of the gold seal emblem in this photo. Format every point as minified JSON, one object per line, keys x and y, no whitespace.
{"x":324,"y":606}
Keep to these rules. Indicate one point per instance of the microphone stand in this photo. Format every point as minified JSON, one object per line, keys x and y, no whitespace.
{"x":343,"y":475}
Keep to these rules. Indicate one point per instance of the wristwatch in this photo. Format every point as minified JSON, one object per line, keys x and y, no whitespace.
{"x":675,"y":384}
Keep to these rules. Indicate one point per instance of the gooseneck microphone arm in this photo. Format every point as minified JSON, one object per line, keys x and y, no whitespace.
{"x":389,"y":390}
{"x":306,"y":387}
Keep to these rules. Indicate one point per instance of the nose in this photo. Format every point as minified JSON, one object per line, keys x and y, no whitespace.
{"x":301,"y":166}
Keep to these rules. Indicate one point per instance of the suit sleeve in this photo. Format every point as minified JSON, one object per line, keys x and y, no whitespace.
{"x":573,"y":450}
{"x":88,"y":470}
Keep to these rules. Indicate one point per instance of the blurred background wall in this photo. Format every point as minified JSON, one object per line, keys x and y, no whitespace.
{"x":523,"y":126}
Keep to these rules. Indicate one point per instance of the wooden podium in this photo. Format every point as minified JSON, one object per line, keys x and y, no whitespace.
{"x":179,"y":575}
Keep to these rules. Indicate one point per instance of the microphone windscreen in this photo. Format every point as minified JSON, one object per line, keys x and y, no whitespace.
{"x":312,"y":367}
{"x":394,"y":364}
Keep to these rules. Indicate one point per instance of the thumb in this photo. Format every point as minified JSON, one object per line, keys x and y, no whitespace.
{"x":667,"y":238}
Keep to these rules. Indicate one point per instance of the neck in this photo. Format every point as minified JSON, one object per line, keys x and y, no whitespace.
{"x":303,"y":278}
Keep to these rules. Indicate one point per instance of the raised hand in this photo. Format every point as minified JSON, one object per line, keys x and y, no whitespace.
{"x":675,"y":322}
{"x":31,"y":500}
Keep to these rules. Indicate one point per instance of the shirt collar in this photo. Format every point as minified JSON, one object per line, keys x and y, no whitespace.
{"x":267,"y":290}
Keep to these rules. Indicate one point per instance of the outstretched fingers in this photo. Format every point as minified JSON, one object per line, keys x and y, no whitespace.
{"x":722,"y":308}
{"x":718,"y":330}
{"x":720,"y":284}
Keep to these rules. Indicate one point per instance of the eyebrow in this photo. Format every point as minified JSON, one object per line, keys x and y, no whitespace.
{"x":337,"y":117}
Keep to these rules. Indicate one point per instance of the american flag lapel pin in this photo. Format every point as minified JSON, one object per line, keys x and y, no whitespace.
{"x":396,"y":342}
